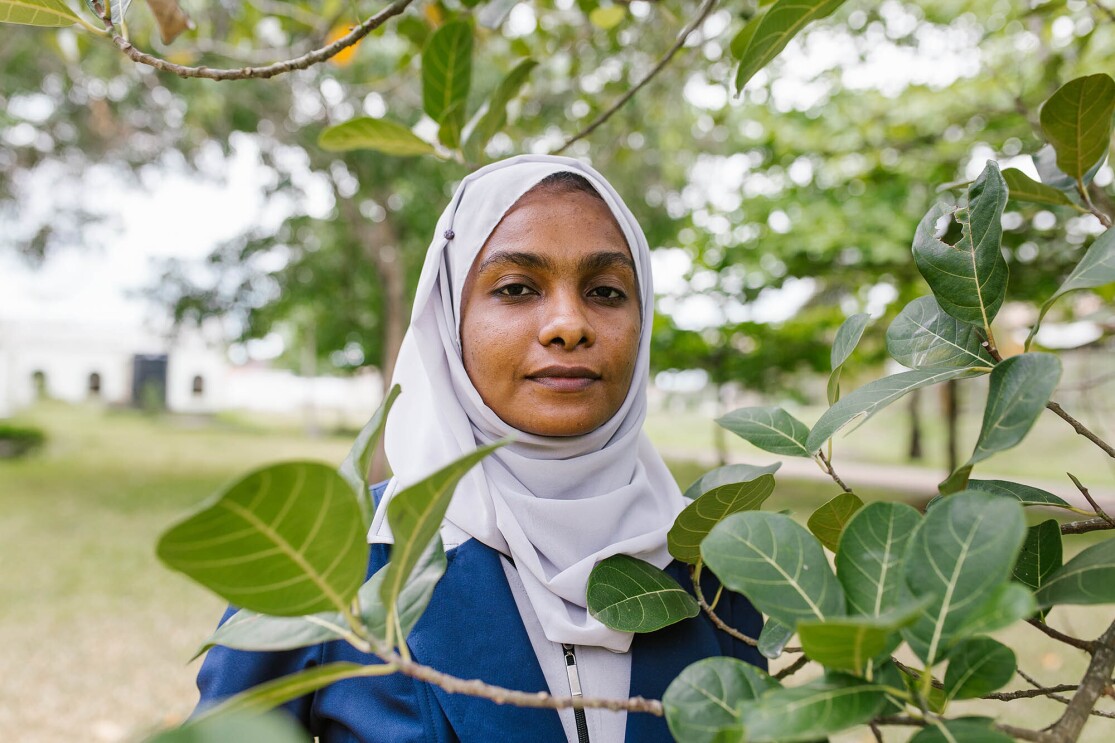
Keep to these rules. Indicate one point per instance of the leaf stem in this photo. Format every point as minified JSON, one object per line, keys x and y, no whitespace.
{"x":695,"y":575}
{"x":1083,"y":191}
{"x":826,"y":465}
{"x":1091,"y":501}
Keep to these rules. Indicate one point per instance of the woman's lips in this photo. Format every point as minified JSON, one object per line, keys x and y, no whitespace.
{"x":565,"y":378}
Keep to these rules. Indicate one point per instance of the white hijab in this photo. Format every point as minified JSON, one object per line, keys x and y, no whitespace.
{"x":555,"y":505}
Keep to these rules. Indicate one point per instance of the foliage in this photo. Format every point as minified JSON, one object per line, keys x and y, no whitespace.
{"x":18,"y":441}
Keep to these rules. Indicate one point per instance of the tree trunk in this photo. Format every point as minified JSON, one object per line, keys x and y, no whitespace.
{"x":914,"y":453}
{"x":951,"y":399}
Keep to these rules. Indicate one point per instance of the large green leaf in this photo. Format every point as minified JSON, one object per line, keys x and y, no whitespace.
{"x":1076,"y":120}
{"x":846,"y":340}
{"x":864,"y":402}
{"x":366,"y":133}
{"x":415,"y":515}
{"x":868,"y":562}
{"x":631,"y":595}
{"x":413,"y":599}
{"x":962,"y":550}
{"x":287,"y":539}
{"x":37,"y":13}
{"x":969,"y":278}
{"x":1045,"y":162}
{"x":776,"y":563}
{"x":962,"y":730}
{"x":924,"y":336}
{"x":729,"y":474}
{"x":851,"y":643}
{"x":1019,"y":389}
{"x":1088,"y":578}
{"x":1009,"y":603}
{"x":828,"y":521}
{"x":812,"y":711}
{"x":1096,"y":268}
{"x":702,"y":703}
{"x":1024,"y":188}
{"x":1041,"y":554}
{"x":694,"y":523}
{"x":766,"y":36}
{"x":359,"y":460}
{"x":496,"y":115}
{"x":1024,"y":494}
{"x":447,"y":70}
{"x":250,"y":630}
{"x":274,"y":727}
{"x":978,"y":666}
{"x":771,"y":429}
{"x":774,"y":637}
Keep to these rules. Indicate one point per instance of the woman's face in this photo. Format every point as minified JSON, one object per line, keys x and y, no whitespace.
{"x":550,"y":315}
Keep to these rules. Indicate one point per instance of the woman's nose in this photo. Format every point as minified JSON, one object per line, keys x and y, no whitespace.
{"x":566,"y":322}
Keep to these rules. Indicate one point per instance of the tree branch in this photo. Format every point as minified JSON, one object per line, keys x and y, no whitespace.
{"x":266,"y":71}
{"x":827,"y":465}
{"x":1010,"y":696}
{"x":1081,"y":428}
{"x":702,"y":13}
{"x":1085,"y":645}
{"x":793,"y":668}
{"x":1096,"y":679}
{"x":1091,"y":501}
{"x":1087,"y":525}
{"x":720,"y":623}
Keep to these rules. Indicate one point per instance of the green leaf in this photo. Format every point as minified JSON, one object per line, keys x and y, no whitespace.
{"x":846,"y":340}
{"x":770,"y":429}
{"x":730,"y":474}
{"x":447,"y":69}
{"x":1024,"y":494}
{"x":1077,"y":122}
{"x":496,"y":115}
{"x":868,"y":562}
{"x":1045,"y":162}
{"x":452,"y":122}
{"x":1024,"y":188}
{"x":1019,"y":389}
{"x":631,"y":595}
{"x":963,"y":549}
{"x":1009,"y":603}
{"x":978,"y":666}
{"x":850,"y":643}
{"x":366,"y":133}
{"x":250,"y":630}
{"x":924,"y":336}
{"x":1041,"y":554}
{"x":37,"y":13}
{"x":694,"y":523}
{"x":607,"y":18}
{"x":1096,"y":268}
{"x":813,"y":710}
{"x":935,"y":700}
{"x":766,"y":36}
{"x":119,"y":9}
{"x":355,"y":468}
{"x":828,"y":521}
{"x":774,"y":637}
{"x":1088,"y":578}
{"x":413,"y":599}
{"x":962,"y":730}
{"x":287,"y":539}
{"x":243,"y":728}
{"x":702,"y":703}
{"x":415,"y":515}
{"x":968,"y":278}
{"x":866,"y":401}
{"x":776,"y":563}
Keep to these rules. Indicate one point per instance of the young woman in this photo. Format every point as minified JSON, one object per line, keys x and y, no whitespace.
{"x":532,"y":319}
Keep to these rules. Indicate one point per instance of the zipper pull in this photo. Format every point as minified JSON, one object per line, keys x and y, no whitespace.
{"x":571,"y":670}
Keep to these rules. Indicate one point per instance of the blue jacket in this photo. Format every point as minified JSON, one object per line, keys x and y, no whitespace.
{"x":472,"y":629}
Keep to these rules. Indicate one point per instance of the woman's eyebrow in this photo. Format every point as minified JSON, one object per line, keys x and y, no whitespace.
{"x":517,"y":259}
{"x":606,"y":259}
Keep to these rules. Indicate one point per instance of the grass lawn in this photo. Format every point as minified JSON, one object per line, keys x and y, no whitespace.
{"x":98,"y":633}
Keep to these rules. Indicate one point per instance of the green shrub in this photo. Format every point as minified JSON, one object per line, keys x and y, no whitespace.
{"x":18,"y":441}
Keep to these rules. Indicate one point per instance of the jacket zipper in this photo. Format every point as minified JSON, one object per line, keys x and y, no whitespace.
{"x":575,"y":691}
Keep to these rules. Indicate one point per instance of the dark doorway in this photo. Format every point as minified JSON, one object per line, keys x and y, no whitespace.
{"x":149,"y":381}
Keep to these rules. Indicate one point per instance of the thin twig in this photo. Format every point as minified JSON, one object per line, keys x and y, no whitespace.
{"x":793,"y":668}
{"x":827,"y":464}
{"x":1023,"y":733}
{"x":901,"y":720}
{"x":1083,"y":191}
{"x":720,"y":623}
{"x":266,"y":71}
{"x":1082,"y":527}
{"x":1081,"y":428}
{"x":1010,"y":696}
{"x":702,"y":13}
{"x":1076,"y":642}
{"x":876,"y":732}
{"x":1091,"y":501}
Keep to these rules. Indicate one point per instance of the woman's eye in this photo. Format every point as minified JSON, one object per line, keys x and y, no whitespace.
{"x":607,"y":292}
{"x":513,"y":290}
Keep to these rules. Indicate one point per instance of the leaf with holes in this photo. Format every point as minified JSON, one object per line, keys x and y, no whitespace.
{"x":1076,"y":120}
{"x":962,"y":550}
{"x":924,"y":336}
{"x":977,"y":667}
{"x":1024,"y":188}
{"x":287,"y":539}
{"x":415,"y":514}
{"x":770,"y":429}
{"x":1096,"y":268}
{"x":702,"y":703}
{"x":359,"y":460}
{"x":366,"y":133}
{"x":631,"y":595}
{"x":694,"y":523}
{"x":828,"y":521}
{"x":776,"y":563}
{"x":1088,"y":578}
{"x":864,"y":402}
{"x":50,"y":13}
{"x":774,"y":637}
{"x":1019,"y":389}
{"x":763,"y":38}
{"x":447,"y":70}
{"x":729,"y":474}
{"x":812,"y":711}
{"x":846,"y":340}
{"x":968,"y":277}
